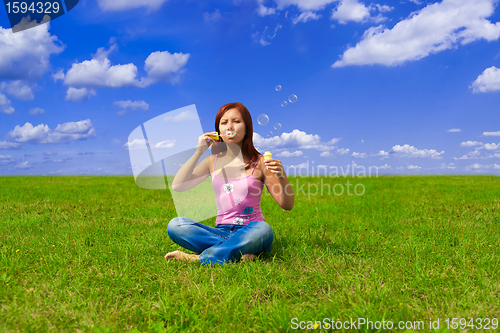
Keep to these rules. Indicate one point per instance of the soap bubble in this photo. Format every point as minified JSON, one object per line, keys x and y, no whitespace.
{"x":277,"y":126}
{"x":278,"y":87}
{"x":263,"y":119}
{"x":283,"y":104}
{"x":269,"y":134}
{"x":292,"y":98}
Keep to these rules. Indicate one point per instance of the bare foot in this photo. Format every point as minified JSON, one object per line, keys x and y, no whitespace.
{"x":250,"y":257}
{"x":179,"y":255}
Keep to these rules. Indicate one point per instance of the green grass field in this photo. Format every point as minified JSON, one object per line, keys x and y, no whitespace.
{"x":85,"y":254}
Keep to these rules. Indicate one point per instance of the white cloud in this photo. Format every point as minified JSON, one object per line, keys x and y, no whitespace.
{"x":470,"y":143}
{"x":382,"y":153}
{"x":258,"y":38}
{"x":212,"y":17}
{"x":491,"y":133}
{"x":476,"y":153}
{"x":454,"y":130}
{"x":488,"y":81}
{"x":129,"y":105}
{"x":342,"y":151}
{"x":65,"y":132}
{"x":491,"y":146}
{"x":18,"y":89}
{"x":102,"y":53}
{"x":359,"y":155}
{"x":296,"y":139}
{"x":450,"y":166}
{"x":36,"y":111}
{"x":495,"y":155}
{"x":435,"y":28}
{"x":413,"y":167}
{"x":326,"y":154}
{"x":136,"y":144}
{"x":8,"y":145}
{"x":24,"y":165}
{"x":5,"y":106}
{"x":122,"y":5}
{"x":184,"y":116}
{"x":25,"y":55}
{"x":305,"y":16}
{"x":352,"y":10}
{"x":72,"y":131}
{"x":383,"y":8}
{"x":474,"y":166}
{"x":385,"y":166}
{"x":98,"y":72}
{"x":264,"y":38}
{"x":411,"y":151}
{"x":286,"y":153}
{"x":263,"y":10}
{"x":59,"y":75}
{"x":304,"y":5}
{"x":164,"y":67}
{"x":470,"y":155}
{"x":480,"y":167}
{"x":165,"y":144}
{"x":77,"y":127}
{"x":79,"y":95}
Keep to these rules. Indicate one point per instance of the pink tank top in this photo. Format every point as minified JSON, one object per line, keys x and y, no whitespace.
{"x":237,"y":199}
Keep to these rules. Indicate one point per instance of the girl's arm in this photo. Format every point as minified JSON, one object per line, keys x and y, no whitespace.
{"x":277,"y":183}
{"x":190,"y":175}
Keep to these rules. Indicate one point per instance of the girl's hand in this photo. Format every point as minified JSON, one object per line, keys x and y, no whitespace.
{"x":205,"y":140}
{"x":275,"y":166}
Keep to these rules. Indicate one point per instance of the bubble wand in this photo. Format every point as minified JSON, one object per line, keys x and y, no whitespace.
{"x":227,"y":135}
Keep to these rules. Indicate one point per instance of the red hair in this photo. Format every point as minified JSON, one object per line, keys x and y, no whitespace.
{"x":247,"y":147}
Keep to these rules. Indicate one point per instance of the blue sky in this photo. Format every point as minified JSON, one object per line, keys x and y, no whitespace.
{"x":411,"y":87}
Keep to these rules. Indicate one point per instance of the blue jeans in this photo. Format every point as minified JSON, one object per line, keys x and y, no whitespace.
{"x":225,"y":242}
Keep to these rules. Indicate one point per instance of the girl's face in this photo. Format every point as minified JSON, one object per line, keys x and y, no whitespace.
{"x":231,"y":123}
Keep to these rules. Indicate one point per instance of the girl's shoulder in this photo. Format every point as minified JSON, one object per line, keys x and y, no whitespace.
{"x":260,"y":160}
